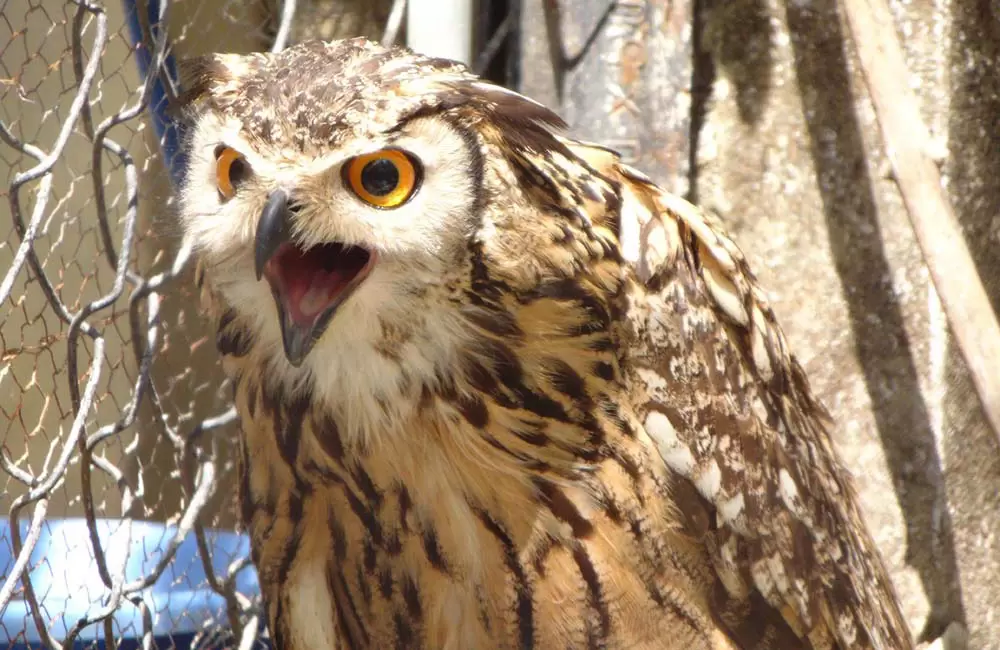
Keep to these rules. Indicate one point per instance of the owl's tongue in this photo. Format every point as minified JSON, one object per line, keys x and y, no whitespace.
{"x":308,"y":283}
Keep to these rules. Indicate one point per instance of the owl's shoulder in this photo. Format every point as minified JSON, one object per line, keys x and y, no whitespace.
{"x":729,"y":408}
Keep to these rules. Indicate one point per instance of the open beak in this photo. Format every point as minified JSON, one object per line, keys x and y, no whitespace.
{"x":273,"y":230}
{"x":308,"y":285}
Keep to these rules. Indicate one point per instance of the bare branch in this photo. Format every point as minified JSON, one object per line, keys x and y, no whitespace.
{"x":939,"y":234}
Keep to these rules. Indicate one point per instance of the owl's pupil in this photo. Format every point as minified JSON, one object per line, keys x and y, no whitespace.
{"x":379,"y":177}
{"x":238,"y":172}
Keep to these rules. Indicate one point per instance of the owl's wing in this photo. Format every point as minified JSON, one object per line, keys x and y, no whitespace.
{"x":729,"y":409}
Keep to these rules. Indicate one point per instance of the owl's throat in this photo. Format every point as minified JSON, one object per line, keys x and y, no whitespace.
{"x":308,"y":287}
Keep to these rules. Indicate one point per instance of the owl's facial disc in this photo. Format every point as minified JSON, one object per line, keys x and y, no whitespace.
{"x":308,"y":285}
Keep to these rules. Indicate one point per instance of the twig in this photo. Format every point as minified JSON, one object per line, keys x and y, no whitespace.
{"x":485,"y":57}
{"x":907,"y":141}
{"x":393,"y":24}
{"x":285,"y":26}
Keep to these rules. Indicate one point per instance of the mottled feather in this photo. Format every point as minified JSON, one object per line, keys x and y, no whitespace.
{"x":560,"y":413}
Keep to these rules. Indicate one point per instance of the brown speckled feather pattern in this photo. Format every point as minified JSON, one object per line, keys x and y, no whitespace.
{"x":622,"y":452}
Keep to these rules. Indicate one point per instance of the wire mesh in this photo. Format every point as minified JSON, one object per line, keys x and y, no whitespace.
{"x":115,"y":417}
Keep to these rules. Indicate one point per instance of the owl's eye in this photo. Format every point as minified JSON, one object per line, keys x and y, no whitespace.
{"x":231,"y":169}
{"x":384,"y":179}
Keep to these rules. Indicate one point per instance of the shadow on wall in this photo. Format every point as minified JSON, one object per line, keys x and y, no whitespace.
{"x":847,"y":193}
{"x":971,"y":449}
{"x":877,"y":320}
{"x":747,"y":60}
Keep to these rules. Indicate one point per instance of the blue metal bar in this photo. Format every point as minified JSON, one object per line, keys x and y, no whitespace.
{"x":166,"y":128}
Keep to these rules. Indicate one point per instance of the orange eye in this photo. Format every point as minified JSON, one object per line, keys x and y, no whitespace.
{"x":384,"y":179}
{"x":231,"y":169}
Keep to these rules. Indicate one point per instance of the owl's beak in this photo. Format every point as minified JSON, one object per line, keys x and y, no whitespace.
{"x":273,"y":230}
{"x":308,"y":285}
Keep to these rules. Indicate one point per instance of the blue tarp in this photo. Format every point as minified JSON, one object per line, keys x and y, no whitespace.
{"x":67,"y":583}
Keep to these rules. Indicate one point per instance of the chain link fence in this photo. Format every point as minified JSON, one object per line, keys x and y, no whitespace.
{"x":115,"y":417}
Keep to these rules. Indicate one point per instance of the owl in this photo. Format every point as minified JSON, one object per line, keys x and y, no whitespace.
{"x":496,"y":388}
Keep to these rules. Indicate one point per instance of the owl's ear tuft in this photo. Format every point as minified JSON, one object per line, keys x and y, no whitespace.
{"x":517,"y":109}
{"x":521,"y":122}
{"x":199,"y":75}
{"x":196,"y":76}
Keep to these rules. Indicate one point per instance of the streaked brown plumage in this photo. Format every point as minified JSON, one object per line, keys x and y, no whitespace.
{"x":557,"y":412}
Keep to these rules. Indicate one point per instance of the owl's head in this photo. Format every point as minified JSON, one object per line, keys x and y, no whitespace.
{"x":337,"y":192}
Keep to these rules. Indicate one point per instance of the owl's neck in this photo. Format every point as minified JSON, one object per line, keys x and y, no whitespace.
{"x":522,"y":359}
{"x":370,"y":370}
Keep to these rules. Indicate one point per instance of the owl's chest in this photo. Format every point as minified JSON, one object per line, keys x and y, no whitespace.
{"x":455,"y":529}
{"x":412,"y":552}
{"x":440,"y":545}
{"x":388,"y":578}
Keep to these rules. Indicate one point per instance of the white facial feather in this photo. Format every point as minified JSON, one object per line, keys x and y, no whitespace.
{"x":417,"y":245}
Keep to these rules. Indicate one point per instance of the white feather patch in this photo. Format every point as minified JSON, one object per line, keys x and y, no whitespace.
{"x":730,"y":510}
{"x":709,"y":480}
{"x":675,"y":454}
{"x":310,"y":608}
